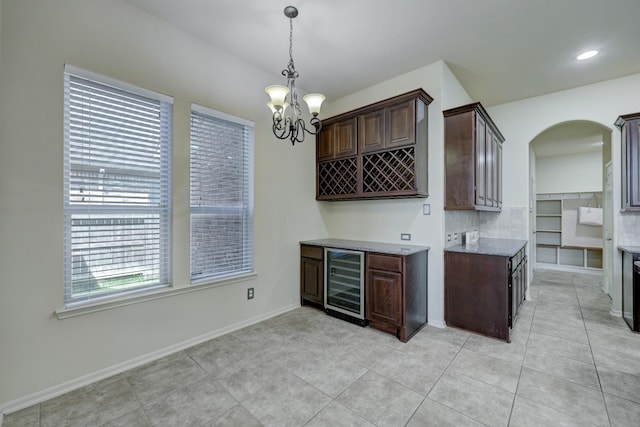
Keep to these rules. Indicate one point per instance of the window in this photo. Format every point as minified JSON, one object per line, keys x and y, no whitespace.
{"x":221,"y":195}
{"x":117,"y":164}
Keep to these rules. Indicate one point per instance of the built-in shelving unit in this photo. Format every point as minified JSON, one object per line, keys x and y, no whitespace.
{"x":554,"y":245}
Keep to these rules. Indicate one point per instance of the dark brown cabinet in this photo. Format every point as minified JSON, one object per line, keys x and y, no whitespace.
{"x":377,"y":151}
{"x":483,"y":293}
{"x":311,"y":275}
{"x":630,"y":136}
{"x":631,"y":288}
{"x":396,"y":293}
{"x":473,"y":160}
{"x":395,"y":282}
{"x":337,"y":140}
{"x":371,"y":131}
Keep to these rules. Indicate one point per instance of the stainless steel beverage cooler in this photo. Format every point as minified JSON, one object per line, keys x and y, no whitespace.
{"x":344,"y":285}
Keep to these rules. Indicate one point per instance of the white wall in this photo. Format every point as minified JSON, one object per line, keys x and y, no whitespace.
{"x":384,"y":220}
{"x":112,"y":38}
{"x":580,"y":172}
{"x":522,"y":121}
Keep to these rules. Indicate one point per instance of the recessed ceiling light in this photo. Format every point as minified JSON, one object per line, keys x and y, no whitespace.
{"x":586,"y":55}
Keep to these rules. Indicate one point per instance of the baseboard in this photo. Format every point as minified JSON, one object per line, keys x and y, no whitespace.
{"x":437,"y":323}
{"x":616,"y":313}
{"x":568,"y":268}
{"x":60,"y":389}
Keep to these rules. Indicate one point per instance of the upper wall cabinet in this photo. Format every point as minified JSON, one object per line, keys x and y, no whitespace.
{"x":473,"y":159}
{"x":337,"y":140}
{"x":630,"y":128}
{"x":377,"y":151}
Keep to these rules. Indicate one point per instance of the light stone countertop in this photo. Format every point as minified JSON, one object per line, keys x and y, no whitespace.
{"x":485,"y":246}
{"x":360,"y":245}
{"x":632,"y":249}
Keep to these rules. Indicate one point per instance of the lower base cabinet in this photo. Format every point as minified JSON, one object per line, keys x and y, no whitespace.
{"x":395,"y":288}
{"x":483,"y":293}
{"x":396,"y":293}
{"x":631,"y":288}
{"x":311,"y":275}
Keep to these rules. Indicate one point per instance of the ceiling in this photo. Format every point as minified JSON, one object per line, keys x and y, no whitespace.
{"x":500,"y":50}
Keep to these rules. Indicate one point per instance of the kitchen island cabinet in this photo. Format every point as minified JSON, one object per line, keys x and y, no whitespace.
{"x":485,"y":286}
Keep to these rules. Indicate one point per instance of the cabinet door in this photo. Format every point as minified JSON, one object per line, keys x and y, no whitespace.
{"x":371,"y":131}
{"x":312,"y":280}
{"x":489,"y":168}
{"x":481,"y":136}
{"x":513,"y":296}
{"x":325,"y":142}
{"x":337,"y":140}
{"x":499,"y":174}
{"x":633,"y":165}
{"x":384,"y":298}
{"x":401,"y":124}
{"x":345,"y":139}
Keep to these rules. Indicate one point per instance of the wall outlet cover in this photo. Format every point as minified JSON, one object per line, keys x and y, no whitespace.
{"x":405,"y":236}
{"x":426,"y":209}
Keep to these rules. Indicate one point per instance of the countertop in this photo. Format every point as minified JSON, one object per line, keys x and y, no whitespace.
{"x":632,"y":249}
{"x":359,"y":245}
{"x":499,"y":247}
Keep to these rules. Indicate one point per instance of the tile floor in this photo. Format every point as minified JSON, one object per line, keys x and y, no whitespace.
{"x":570,"y":364}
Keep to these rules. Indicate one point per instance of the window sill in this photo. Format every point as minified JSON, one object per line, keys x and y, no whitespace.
{"x":66,"y":313}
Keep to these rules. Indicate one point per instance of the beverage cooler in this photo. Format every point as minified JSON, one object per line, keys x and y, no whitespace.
{"x":344,"y":285}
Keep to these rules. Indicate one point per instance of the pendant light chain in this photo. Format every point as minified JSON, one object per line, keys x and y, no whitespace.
{"x":290,"y":124}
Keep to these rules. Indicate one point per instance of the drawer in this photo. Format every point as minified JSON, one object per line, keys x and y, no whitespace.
{"x":315,"y":252}
{"x":384,"y":262}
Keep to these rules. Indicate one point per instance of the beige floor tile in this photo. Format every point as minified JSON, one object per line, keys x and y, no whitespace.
{"x":432,"y":413}
{"x":475,"y":399}
{"x":381,"y":401}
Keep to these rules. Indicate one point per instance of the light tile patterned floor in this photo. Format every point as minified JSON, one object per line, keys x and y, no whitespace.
{"x":569,"y":364}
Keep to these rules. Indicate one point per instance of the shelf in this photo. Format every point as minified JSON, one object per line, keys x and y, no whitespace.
{"x":552,"y":230}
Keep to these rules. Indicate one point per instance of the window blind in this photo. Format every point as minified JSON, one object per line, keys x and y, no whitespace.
{"x":221,"y":193}
{"x":116,"y":187}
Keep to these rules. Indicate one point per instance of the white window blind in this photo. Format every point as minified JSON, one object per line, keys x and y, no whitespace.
{"x":221,"y":195}
{"x":117,"y":166}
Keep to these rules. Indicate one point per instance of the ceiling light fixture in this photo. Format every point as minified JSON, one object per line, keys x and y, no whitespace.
{"x":586,"y":55}
{"x":289,"y":124}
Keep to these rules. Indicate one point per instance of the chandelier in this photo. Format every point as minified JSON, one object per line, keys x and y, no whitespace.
{"x":287,"y":115}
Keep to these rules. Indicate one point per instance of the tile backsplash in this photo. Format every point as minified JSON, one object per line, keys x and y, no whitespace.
{"x":511,"y":223}
{"x":629,"y":229}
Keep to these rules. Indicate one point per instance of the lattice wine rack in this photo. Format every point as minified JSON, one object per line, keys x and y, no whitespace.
{"x":389,"y":171}
{"x":338,"y":177}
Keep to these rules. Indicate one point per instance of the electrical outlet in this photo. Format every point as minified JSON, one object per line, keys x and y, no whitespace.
{"x":405,"y":236}
{"x":426,"y":209}
{"x":448,"y":237}
{"x":455,"y":236}
{"x":250,"y":293}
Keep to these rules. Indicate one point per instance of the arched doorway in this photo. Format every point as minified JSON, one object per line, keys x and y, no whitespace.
{"x":568,"y":165}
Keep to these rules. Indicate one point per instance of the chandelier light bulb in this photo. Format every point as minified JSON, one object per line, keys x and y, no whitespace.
{"x":278,"y":93}
{"x":314,"y":102}
{"x":280,"y":109}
